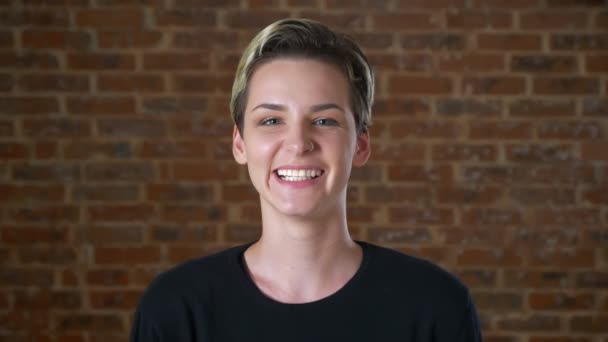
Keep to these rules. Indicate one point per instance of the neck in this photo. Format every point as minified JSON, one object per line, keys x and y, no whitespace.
{"x":299,"y":260}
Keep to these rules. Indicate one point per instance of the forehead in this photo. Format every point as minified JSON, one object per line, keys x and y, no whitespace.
{"x":298,"y":80}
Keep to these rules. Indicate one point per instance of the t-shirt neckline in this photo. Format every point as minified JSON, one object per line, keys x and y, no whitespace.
{"x":254,"y":292}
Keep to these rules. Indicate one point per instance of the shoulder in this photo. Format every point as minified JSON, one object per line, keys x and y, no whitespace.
{"x":193,"y":278}
{"x":413,"y":275}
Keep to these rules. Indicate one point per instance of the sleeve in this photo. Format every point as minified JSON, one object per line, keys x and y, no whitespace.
{"x":469,"y":330}
{"x":458,"y":323}
{"x":143,"y":329}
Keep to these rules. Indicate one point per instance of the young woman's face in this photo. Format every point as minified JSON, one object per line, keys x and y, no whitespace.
{"x":299,"y":136}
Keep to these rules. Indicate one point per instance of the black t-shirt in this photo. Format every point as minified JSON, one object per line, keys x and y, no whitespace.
{"x":392,"y":297}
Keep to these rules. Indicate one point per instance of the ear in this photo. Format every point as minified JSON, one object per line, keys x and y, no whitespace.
{"x":238,"y":147}
{"x":364,"y":149}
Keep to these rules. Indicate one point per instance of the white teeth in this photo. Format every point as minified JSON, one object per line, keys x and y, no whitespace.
{"x":298,"y":175}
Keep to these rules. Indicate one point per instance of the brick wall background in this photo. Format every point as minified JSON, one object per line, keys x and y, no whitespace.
{"x":490,"y":153}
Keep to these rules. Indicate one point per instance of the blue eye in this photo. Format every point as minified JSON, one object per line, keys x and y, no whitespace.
{"x":270,"y":122}
{"x":326,"y":122}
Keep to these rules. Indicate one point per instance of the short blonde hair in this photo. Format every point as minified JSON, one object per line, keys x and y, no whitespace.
{"x":307,"y":39}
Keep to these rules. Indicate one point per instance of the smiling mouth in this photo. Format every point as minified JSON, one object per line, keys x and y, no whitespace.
{"x":298,"y":175}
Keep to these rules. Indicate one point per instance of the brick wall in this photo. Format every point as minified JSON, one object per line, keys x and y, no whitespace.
{"x":490,"y":153}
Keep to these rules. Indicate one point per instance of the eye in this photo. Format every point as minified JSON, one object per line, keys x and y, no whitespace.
{"x":270,"y":122}
{"x":326,"y":122}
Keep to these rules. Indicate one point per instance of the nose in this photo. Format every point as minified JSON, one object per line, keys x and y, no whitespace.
{"x":298,"y":140}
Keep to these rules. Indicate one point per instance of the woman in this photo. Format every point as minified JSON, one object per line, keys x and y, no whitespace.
{"x":301,"y":104}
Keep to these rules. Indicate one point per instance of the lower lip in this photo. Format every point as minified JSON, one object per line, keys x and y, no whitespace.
{"x":300,"y":184}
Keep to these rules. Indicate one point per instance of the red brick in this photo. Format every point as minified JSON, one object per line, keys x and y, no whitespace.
{"x":240,"y":193}
{"x":594,"y":151}
{"x":14,"y":151}
{"x":420,"y":173}
{"x":46,"y":214}
{"x":531,"y":323}
{"x":103,"y":235}
{"x":7,"y":130}
{"x":576,"y":3}
{"x":601,"y":20}
{"x":31,"y":193}
{"x":431,"y":4}
{"x":21,"y":277}
{"x":48,"y":256}
{"x":94,"y":150}
{"x":584,"y":42}
{"x":28,"y":60}
{"x":90,"y":322}
{"x":184,"y":17}
{"x":565,"y":130}
{"x":128,"y":39}
{"x":420,"y":85}
{"x":482,"y":62}
{"x":476,"y":19}
{"x":507,"y":4}
{"x":46,"y":150}
{"x":471,"y":236}
{"x":397,"y":194}
{"x":184,"y":107}
{"x":469,"y":106}
{"x":179,"y":192}
{"x":109,"y":18}
{"x":491,"y":216}
{"x":425,"y":129}
{"x":565,"y":258}
{"x":106,"y":192}
{"x":112,"y":171}
{"x":190,"y":213}
{"x":389,"y":235}
{"x":29,"y":105}
{"x":508,"y":85}
{"x":542,"y":108}
{"x":566,"y":85}
{"x":124,"y":299}
{"x":597,"y":195}
{"x":597,"y":63}
{"x":56,"y":128}
{"x":404,"y":21}
{"x":127,"y":255}
{"x":561,"y":301}
{"x":537,"y":279}
{"x":48,"y":39}
{"x":596,"y":324}
{"x":509,"y":41}
{"x":503,"y":130}
{"x":415,"y":216}
{"x":242,"y":232}
{"x":101,"y":105}
{"x":175,"y":61}
{"x":396,"y":151}
{"x":107,"y":277}
{"x":540,"y":153}
{"x":543,"y":63}
{"x":37,"y":18}
{"x":203,"y":171}
{"x":202,"y":84}
{"x":124,"y":212}
{"x":52,"y":171}
{"x":53,"y":82}
{"x":203,"y":39}
{"x":498,"y":301}
{"x":463,"y":152}
{"x":489,"y":258}
{"x":123,"y":128}
{"x":399,"y":106}
{"x":130,"y":83}
{"x":543,"y":196}
{"x":437,"y":41}
{"x":576,"y":217}
{"x":464,"y":195}
{"x":100,"y":61}
{"x":179,"y":233}
{"x":474,"y":278}
{"x":28,"y":236}
{"x":548,"y":19}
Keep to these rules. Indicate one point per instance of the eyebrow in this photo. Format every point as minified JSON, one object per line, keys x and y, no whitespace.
{"x":314,"y":109}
